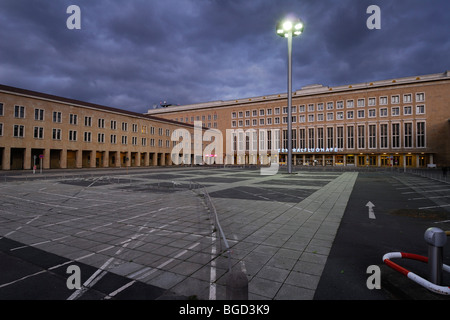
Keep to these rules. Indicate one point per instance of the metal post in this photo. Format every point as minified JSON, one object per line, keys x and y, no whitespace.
{"x":436,"y":239}
{"x":289,"y":135}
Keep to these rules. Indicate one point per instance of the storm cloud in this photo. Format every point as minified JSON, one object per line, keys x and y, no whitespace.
{"x":134,"y":54}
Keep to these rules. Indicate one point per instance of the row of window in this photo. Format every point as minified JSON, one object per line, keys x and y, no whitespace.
{"x":372,"y":136}
{"x":395,"y":99}
{"x":197,"y":118}
{"x":38,"y":133}
{"x":330,"y":116}
{"x":39,"y":115}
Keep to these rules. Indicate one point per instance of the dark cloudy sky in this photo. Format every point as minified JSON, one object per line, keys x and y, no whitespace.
{"x":135,"y":53}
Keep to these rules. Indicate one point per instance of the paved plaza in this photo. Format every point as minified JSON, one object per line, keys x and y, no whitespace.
{"x":153,"y":231}
{"x":154,"y":227}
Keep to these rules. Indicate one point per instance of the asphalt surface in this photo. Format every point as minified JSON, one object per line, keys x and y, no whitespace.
{"x":405,"y":207}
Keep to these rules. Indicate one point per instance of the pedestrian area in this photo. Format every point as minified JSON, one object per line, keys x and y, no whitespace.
{"x":154,"y":227}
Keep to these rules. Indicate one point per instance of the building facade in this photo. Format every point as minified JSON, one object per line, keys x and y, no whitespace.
{"x":401,"y":122}
{"x":44,"y":131}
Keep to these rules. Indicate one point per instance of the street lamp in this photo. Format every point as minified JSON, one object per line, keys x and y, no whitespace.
{"x":289,"y":28}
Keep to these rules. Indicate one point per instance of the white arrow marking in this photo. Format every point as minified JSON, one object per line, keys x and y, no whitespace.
{"x":370,"y":205}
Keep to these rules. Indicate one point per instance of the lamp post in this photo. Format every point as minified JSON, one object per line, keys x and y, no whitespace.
{"x":289,"y":28}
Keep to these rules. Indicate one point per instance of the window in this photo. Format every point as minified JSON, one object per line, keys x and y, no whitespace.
{"x":277,"y":120}
{"x":261,"y":122}
{"x":395,"y":135}
{"x":383,"y":101}
{"x":134,"y":127}
{"x":383,"y":112}
{"x":310,"y":118}
{"x":285,"y":110}
{"x":240,"y":114}
{"x":420,"y":134}
{"x":113,"y":139}
{"x":57,"y":117}
{"x":330,"y":137}
{"x":361,"y":137}
{"x":277,"y":110}
{"x":73,"y":119}
{"x":310,"y":107}
{"x":420,"y":109}
{"x":372,"y":136}
{"x":72,"y":135}
{"x":372,"y":102}
{"x":395,"y":111}
{"x":408,"y":135}
{"x":350,"y":104}
{"x":311,"y":138}
{"x":247,"y":122}
{"x":420,"y":97}
{"x":19,"y":131}
{"x":87,"y":137}
{"x":319,"y":107}
{"x":269,"y":121}
{"x":330,"y":105}
{"x":113,"y":125}
{"x":1,"y":109}
{"x":361,"y":103}
{"x":87,"y":121}
{"x":384,"y":136}
{"x":361,"y":114}
{"x":340,"y":137}
{"x":56,"y":134}
{"x":254,"y":113}
{"x":269,"y":112}
{"x":407,"y":111}
{"x":301,"y":108}
{"x":124,"y":126}
{"x":261,"y":112}
{"x":395,"y":99}
{"x":39,"y":114}
{"x":124,"y":139}
{"x":349,"y":114}
{"x":372,"y":113}
{"x":330,"y":116}
{"x":19,"y":112}
{"x":302,"y":138}
{"x":233,"y":124}
{"x":340,"y":105}
{"x":1,"y":129}
{"x":101,"y":138}
{"x":320,"y":117}
{"x":160,"y":131}
{"x":407,"y":98}
{"x":134,"y":141}
{"x":247,"y":113}
{"x":302,"y":119}
{"x":101,"y":123}
{"x":340,"y":115}
{"x":320,"y":138}
{"x":144,"y":142}
{"x":233,"y":115}
{"x":350,"y":137}
{"x":38,"y":133}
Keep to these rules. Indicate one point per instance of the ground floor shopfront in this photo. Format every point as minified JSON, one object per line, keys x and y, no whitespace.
{"x":411,"y":160}
{"x":29,"y":158}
